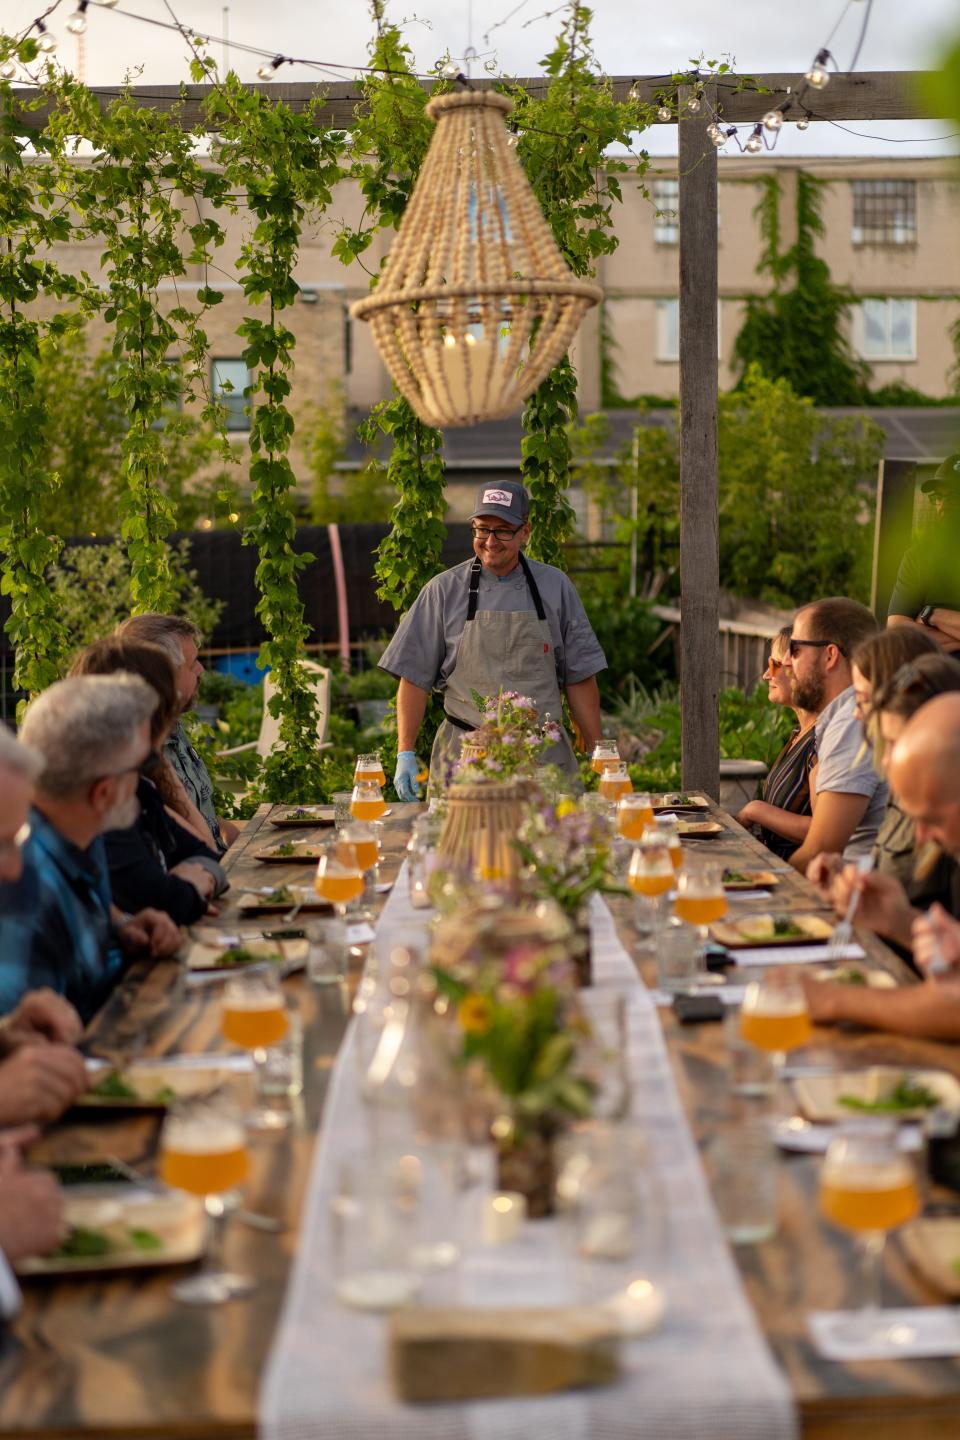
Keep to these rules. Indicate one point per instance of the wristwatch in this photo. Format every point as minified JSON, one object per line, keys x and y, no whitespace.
{"x":926,"y":615}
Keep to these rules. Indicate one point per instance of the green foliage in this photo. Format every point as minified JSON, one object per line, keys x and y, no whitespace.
{"x":796,"y":496}
{"x":283,"y":164}
{"x":91,"y":589}
{"x":83,"y":433}
{"x":795,"y":332}
{"x":410,"y":555}
{"x":564,"y":137}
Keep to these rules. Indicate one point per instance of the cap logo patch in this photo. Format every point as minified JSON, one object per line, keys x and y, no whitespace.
{"x":497,"y":497}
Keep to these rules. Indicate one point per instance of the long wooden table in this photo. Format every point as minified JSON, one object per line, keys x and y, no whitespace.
{"x":118,"y":1358}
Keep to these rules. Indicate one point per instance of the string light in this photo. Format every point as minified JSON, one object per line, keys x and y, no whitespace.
{"x":77,"y":23}
{"x":803,"y":123}
{"x":107,"y":4}
{"x":773,"y":120}
{"x":269,"y":70}
{"x":664,"y":113}
{"x":8,"y":69}
{"x":818,"y":76}
{"x":694,"y":104}
{"x":635,"y":92}
{"x":755,"y":143}
{"x":47,"y":42}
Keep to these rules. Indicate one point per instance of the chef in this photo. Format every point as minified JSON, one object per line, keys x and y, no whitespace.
{"x":496,"y":622}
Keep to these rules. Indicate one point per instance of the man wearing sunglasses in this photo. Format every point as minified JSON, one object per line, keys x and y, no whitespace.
{"x":927,"y":592}
{"x":847,"y":795}
{"x":58,"y":924}
{"x":496,"y":622}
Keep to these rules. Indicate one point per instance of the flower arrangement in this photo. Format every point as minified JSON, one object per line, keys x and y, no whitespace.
{"x":568,"y":853}
{"x":507,"y":976}
{"x":509,"y":741}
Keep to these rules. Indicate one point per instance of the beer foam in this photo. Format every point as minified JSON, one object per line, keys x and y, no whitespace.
{"x":769,"y":1004}
{"x":254,"y":1000}
{"x":202,"y":1135}
{"x":891,"y":1175}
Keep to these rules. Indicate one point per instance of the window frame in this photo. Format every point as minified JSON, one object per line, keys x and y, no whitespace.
{"x":888,"y":357}
{"x":233,"y":401}
{"x":886,"y":232}
{"x":666,"y":217}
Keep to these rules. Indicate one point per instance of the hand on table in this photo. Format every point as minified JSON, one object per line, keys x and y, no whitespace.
{"x":883,"y":906}
{"x":39,"y":1082}
{"x":43,"y":1015}
{"x":31,"y":1208}
{"x":150,"y":930}
{"x":405,"y":775}
{"x":203,"y":880}
{"x":823,"y":870}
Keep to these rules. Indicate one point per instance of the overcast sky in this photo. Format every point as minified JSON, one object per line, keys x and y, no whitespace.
{"x":631,"y":37}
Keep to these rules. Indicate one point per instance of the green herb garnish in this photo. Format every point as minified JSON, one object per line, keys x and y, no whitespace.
{"x":145,"y":1240}
{"x":907,"y":1094}
{"x":283,"y":895}
{"x":241,"y":955}
{"x":784,"y":927}
{"x":114,"y":1086}
{"x":850,"y":976}
{"x":734,"y":877}
{"x":81,"y":1243}
{"x":287,"y":848}
{"x":164,"y":1096}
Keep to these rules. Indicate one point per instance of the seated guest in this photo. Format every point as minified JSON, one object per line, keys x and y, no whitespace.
{"x":181,"y":641}
{"x":31,"y":1214}
{"x":58,"y":925}
{"x":924,"y":773}
{"x":875,"y":664}
{"x":160,"y":860}
{"x":782,"y":814}
{"x":847,"y":795}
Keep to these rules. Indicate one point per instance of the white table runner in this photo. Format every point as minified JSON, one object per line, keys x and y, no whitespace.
{"x":706,"y":1373}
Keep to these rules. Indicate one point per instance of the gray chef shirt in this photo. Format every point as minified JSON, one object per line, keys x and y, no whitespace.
{"x":424,"y":649}
{"x":844,"y":766}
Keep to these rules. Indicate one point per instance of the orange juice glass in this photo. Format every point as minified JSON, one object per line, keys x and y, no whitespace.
{"x":868,"y":1186}
{"x":254,"y":1016}
{"x":367,"y":802}
{"x":203,"y":1150}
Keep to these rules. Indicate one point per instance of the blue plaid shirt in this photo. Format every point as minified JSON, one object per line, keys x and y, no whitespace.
{"x":55,"y":923}
{"x":195,"y":779}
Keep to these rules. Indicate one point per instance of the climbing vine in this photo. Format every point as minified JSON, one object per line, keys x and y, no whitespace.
{"x":281,"y":166}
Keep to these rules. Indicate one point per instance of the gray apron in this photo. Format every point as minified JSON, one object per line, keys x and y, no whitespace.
{"x":502,"y":650}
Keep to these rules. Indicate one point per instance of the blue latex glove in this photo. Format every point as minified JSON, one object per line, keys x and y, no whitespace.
{"x":405,"y":775}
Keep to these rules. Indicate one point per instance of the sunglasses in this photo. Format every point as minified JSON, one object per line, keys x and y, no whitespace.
{"x":797,"y":645}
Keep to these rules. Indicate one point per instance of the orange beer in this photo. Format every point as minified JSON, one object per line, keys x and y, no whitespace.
{"x":699,"y":909}
{"x":615,"y":782}
{"x":650,"y":885}
{"x":367,"y":802}
{"x":369,"y":767}
{"x":364,"y":854}
{"x":776,"y":1030}
{"x":204,"y":1158}
{"x":634,"y":814}
{"x":869,"y":1198}
{"x":256,"y":1021}
{"x":339,"y":887}
{"x":605,"y":756}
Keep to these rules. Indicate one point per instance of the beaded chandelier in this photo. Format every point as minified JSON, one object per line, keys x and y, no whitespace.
{"x":475,"y":304}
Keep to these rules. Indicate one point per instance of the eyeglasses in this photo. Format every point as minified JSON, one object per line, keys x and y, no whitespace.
{"x":150,"y":763}
{"x":796,"y":645}
{"x":480,"y":532}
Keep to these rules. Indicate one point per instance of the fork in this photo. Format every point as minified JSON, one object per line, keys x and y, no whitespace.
{"x":842,"y":933}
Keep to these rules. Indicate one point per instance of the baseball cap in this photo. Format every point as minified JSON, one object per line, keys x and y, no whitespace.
{"x":507,"y":500}
{"x":946,"y":477}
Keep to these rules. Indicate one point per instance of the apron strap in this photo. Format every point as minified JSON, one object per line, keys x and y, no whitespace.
{"x":474,"y":593}
{"x":455,"y":721}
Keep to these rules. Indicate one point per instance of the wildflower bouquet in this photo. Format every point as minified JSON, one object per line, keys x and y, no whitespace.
{"x":567,"y":850}
{"x":507,"y":977}
{"x":509,"y":741}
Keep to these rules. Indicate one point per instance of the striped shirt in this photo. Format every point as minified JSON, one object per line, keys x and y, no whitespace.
{"x":788,"y":787}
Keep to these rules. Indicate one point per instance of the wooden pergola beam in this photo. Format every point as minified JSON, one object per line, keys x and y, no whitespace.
{"x":863,"y":95}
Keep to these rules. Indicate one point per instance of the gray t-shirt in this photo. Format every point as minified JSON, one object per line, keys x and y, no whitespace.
{"x":839,"y":770}
{"x":424,"y":649}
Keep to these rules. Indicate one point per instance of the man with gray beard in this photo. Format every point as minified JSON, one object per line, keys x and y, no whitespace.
{"x":58,"y":925}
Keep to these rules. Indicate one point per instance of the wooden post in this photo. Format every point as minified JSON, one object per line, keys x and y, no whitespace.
{"x":699,"y":551}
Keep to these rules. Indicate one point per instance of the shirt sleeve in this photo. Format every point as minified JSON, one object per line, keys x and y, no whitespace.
{"x":838,"y":769}
{"x":417,"y":650}
{"x":908,"y":596}
{"x":139,"y":880}
{"x":582,"y":655}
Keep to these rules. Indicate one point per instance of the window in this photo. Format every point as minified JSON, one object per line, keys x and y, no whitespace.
{"x":173,"y":398}
{"x":884,"y":212}
{"x":667,"y":337}
{"x":230,"y":380}
{"x":886,"y":329}
{"x":666,"y":198}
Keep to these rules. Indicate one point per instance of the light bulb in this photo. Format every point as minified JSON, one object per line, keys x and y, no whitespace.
{"x":773,"y":120}
{"x":755,"y":143}
{"x":77,"y":23}
{"x":803,"y":123}
{"x":713,"y":131}
{"x":694,"y":104}
{"x":818,"y":75}
{"x":719,"y":139}
{"x":107,"y":4}
{"x":450,"y":71}
{"x":634,"y":92}
{"x":512,"y":140}
{"x":8,"y":69}
{"x":47,"y":41}
{"x":664,"y":113}
{"x":268,"y":71}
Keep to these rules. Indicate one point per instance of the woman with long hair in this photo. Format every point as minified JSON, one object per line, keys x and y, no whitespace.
{"x":781,"y":816}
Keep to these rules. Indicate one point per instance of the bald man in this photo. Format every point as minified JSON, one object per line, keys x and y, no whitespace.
{"x":924,"y":774}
